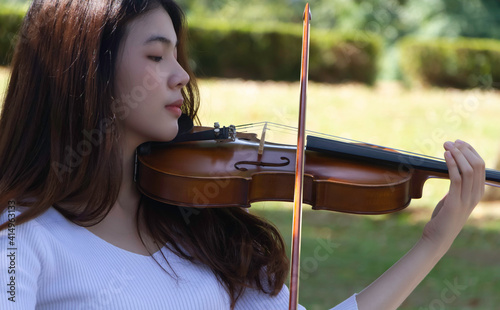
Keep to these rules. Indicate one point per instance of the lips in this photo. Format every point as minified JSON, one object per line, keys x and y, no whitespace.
{"x":175,"y":107}
{"x":177,"y":103}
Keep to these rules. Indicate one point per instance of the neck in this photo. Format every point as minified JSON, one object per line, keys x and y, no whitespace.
{"x":128,"y":196}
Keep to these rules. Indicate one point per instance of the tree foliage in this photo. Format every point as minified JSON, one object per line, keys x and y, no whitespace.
{"x":392,"y":19}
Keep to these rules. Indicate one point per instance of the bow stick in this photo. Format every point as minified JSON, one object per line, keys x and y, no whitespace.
{"x":299,"y":167}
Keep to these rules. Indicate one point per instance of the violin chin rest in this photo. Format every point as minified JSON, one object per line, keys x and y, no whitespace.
{"x":185,"y":124}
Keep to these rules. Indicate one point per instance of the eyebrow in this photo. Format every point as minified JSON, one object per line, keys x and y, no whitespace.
{"x":161,"y":39}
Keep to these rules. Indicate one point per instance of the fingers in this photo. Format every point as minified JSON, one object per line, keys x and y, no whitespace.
{"x":466,"y":170}
{"x":453,"y":172}
{"x":478,"y":166}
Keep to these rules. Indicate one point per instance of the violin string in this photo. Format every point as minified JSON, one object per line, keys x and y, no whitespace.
{"x":276,"y":128}
{"x":286,"y":129}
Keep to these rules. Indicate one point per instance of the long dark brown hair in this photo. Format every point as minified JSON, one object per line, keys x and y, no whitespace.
{"x":59,"y":142}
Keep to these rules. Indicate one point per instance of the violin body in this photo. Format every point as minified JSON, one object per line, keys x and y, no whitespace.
{"x":211,"y":174}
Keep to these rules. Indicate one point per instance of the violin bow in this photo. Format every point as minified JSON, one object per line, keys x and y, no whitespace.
{"x":299,"y":167}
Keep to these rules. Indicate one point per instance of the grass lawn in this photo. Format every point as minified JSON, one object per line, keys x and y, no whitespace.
{"x":341,"y":254}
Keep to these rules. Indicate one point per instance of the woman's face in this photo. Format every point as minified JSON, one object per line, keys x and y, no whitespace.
{"x":148,"y":79}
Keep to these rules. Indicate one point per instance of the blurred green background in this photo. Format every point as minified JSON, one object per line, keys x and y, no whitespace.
{"x":390,"y":19}
{"x":413,"y":102}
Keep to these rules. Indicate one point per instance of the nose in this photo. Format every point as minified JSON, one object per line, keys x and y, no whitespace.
{"x":179,"y":78}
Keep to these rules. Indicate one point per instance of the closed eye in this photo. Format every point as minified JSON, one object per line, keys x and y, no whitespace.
{"x":155,"y":58}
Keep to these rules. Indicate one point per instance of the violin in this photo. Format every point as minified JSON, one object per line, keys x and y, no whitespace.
{"x":220,"y":167}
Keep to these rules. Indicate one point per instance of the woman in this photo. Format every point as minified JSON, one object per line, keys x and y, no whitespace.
{"x":91,"y":81}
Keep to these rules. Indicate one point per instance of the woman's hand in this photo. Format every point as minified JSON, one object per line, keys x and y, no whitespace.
{"x":467,"y":176}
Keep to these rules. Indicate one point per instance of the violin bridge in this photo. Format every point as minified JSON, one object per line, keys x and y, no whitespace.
{"x":262,"y":140}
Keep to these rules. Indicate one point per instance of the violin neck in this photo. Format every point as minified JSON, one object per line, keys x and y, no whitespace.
{"x":434,"y":168}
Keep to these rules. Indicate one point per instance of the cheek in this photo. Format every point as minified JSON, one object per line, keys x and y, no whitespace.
{"x":140,"y":103}
{"x":149,"y":120}
{"x":130,"y":81}
{"x":134,"y":93}
{"x":151,"y":126}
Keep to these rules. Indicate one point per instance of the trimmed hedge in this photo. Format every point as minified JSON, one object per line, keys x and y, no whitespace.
{"x":461,"y":63}
{"x":340,"y":57}
{"x":274,"y":53}
{"x":10,"y":21}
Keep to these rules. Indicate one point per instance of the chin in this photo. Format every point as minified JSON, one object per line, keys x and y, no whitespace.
{"x":157,"y":133}
{"x":166,"y":134}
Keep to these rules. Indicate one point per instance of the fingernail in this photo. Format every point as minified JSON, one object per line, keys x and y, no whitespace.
{"x":459,"y":142}
{"x":448,"y":144}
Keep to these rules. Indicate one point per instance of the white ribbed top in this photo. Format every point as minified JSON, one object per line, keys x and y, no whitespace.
{"x":59,"y":265}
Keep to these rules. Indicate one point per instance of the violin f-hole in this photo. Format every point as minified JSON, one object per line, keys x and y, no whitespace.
{"x":261,"y":164}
